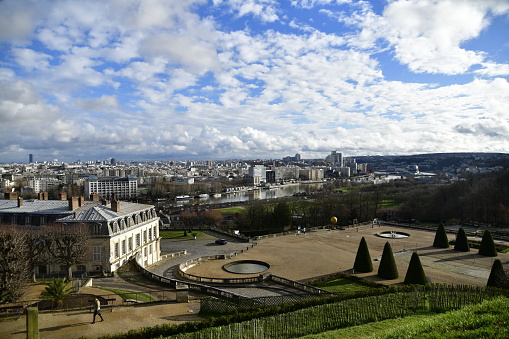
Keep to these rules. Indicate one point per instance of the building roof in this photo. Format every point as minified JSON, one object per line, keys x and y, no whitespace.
{"x":90,"y":211}
{"x":105,"y":213}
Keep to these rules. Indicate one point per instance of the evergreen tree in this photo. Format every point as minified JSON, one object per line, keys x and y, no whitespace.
{"x":415,"y":273}
{"x":461,"y":241}
{"x":487,"y":247}
{"x":282,"y":216}
{"x":498,"y":277}
{"x":388,"y":268}
{"x":441,"y":240}
{"x":363,"y":259}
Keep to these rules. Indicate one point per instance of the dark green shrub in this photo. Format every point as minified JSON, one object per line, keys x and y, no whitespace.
{"x":498,"y":277}
{"x":388,"y":268}
{"x":461,"y":241}
{"x":363,"y":259}
{"x":441,"y":240}
{"x":487,"y":245}
{"x":415,"y":273}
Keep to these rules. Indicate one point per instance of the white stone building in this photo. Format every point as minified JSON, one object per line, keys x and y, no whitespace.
{"x":118,"y":229}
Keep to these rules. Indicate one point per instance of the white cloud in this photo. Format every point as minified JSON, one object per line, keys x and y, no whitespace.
{"x":141,"y":78}
{"x":31,"y":60}
{"x":265,"y":10}
{"x":427,"y":35}
{"x":492,"y":69}
{"x":192,"y":53}
{"x":18,"y":19}
{"x":104,"y":103}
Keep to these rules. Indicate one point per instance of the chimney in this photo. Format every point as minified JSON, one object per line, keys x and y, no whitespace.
{"x":104,"y":202}
{"x":115,"y":205}
{"x":10,"y":195}
{"x":63,"y":196}
{"x":81,"y":200}
{"x":73,"y":203}
{"x":43,"y":195}
{"x":94,"y":197}
{"x":20,"y":201}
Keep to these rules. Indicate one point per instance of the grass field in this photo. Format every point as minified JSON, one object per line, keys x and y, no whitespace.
{"x":232,"y":210}
{"x":340,"y":285}
{"x":176,"y":235}
{"x":127,"y":295}
{"x":486,"y":320}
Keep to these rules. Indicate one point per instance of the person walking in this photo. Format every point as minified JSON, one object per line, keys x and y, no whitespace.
{"x":97,"y":310}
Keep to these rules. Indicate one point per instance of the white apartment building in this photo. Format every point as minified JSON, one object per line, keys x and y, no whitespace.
{"x":43,"y":184}
{"x":105,"y":187}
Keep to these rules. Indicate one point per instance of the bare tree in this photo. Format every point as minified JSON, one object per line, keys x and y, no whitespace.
{"x":68,"y":244}
{"x":212,"y":217}
{"x":189,"y":218}
{"x":13,"y":263}
{"x":37,"y":249}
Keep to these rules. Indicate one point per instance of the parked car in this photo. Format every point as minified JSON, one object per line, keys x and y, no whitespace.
{"x":221,"y":241}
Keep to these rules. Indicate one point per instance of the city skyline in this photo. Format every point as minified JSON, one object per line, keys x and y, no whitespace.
{"x":200,"y":80}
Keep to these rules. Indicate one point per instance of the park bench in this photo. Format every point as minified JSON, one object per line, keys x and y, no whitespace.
{"x":131,"y":301}
{"x":12,"y":310}
{"x":109,"y":304}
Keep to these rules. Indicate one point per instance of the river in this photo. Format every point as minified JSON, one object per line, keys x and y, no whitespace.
{"x":258,"y":194}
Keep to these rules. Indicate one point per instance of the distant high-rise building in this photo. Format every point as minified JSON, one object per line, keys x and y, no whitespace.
{"x":113,"y":161}
{"x":336,"y":158}
{"x":30,"y":158}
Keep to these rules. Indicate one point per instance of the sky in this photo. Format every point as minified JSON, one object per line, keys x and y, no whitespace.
{"x":251,"y":79}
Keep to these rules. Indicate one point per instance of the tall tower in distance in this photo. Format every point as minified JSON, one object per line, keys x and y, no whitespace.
{"x":30,"y":158}
{"x":336,"y":158}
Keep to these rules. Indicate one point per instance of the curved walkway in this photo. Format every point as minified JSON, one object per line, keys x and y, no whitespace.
{"x":205,"y":246}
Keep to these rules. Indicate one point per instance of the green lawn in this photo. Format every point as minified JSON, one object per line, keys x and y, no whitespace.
{"x":390,"y":203}
{"x":178,"y":235}
{"x":130,"y":295}
{"x":486,"y":320}
{"x":340,"y":285}
{"x":232,"y":210}
{"x":368,"y":330}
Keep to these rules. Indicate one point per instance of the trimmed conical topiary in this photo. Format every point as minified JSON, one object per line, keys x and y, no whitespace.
{"x":461,"y":241}
{"x":415,"y":273}
{"x":498,"y":277}
{"x":363,"y":262}
{"x":388,"y":268}
{"x":487,"y":247}
{"x":441,"y":240}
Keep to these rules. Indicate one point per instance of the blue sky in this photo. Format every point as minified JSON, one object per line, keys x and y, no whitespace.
{"x":230,"y":79}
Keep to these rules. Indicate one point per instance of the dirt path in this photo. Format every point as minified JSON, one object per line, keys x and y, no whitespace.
{"x":77,"y":323}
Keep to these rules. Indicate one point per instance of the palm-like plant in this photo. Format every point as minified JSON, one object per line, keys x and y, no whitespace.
{"x":57,"y":290}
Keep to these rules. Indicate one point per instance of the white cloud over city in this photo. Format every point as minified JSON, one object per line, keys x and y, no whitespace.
{"x":141,"y":80}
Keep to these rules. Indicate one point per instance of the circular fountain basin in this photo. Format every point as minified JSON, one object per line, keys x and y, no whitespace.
{"x":393,"y":234}
{"x":246,"y":267}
